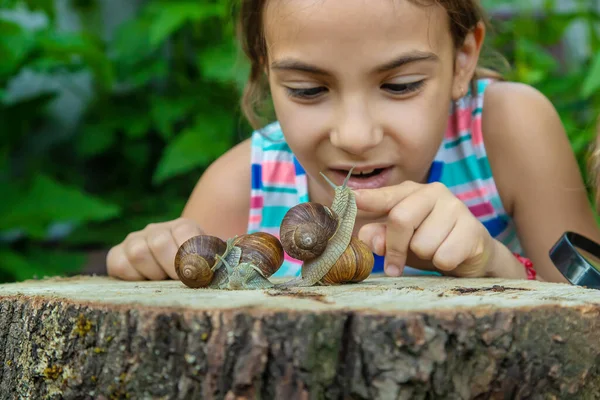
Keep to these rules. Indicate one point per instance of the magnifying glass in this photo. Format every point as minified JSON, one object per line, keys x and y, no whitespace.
{"x":578,"y":259}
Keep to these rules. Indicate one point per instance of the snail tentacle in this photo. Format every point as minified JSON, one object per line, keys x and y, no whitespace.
{"x":232,"y":254}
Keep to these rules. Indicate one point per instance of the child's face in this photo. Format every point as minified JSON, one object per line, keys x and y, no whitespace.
{"x":361,"y":106}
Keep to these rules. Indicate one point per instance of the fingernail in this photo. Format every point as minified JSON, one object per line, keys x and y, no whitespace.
{"x":392,"y":270}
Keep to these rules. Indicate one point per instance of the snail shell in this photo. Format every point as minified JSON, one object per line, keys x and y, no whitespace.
{"x":262,"y":250}
{"x":195,"y":258}
{"x":354,"y":265}
{"x":306,"y":229}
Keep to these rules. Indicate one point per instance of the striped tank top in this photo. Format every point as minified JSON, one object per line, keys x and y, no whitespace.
{"x":461,"y":164}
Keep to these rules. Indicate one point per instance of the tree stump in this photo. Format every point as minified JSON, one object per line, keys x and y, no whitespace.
{"x":385,"y":338}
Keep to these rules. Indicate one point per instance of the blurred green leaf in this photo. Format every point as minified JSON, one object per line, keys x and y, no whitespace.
{"x":172,"y":15}
{"x":145,"y":73}
{"x":45,"y":6}
{"x":20,"y":116}
{"x":15,"y":46}
{"x":195,"y":147}
{"x":136,"y":126}
{"x":221,"y":62}
{"x":131,"y":44}
{"x":592,"y":80}
{"x":166,"y":111}
{"x":40,"y":263}
{"x":137,"y":154}
{"x":113,"y":232}
{"x":94,"y":140}
{"x":79,"y":48}
{"x":48,"y":201}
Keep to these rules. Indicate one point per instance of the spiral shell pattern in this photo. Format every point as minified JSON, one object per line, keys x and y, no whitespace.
{"x":306,"y":229}
{"x":354,"y":265}
{"x":195,"y":258}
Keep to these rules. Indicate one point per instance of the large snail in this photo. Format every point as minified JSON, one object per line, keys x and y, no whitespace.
{"x":321,"y":236}
{"x":243,"y":262}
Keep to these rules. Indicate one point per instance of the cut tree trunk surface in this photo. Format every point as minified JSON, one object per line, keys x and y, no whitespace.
{"x":385,"y":338}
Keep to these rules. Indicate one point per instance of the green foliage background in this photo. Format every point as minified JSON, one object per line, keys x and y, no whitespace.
{"x":165,"y":104}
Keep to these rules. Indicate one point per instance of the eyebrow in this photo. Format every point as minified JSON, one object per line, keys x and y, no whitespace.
{"x":413,"y":56}
{"x":291,"y":64}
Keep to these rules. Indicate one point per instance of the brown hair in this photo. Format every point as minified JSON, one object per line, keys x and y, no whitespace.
{"x":464,"y":16}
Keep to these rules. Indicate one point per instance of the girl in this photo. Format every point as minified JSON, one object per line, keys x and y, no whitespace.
{"x":456,"y":171}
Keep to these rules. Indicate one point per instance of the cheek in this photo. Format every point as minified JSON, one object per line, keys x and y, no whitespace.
{"x":304,"y":126}
{"x":418,"y":126}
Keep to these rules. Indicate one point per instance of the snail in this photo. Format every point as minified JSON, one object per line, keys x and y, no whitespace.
{"x":321,"y":237}
{"x":242,"y":262}
{"x":195,"y":260}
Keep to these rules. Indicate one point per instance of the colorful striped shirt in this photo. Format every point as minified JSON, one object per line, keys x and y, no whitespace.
{"x":461,"y":164}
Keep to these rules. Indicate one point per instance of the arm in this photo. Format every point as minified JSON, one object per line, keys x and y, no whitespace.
{"x":220,"y":202}
{"x":535,"y":171}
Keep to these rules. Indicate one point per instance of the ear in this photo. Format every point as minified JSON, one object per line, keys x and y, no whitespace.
{"x":467,"y":57}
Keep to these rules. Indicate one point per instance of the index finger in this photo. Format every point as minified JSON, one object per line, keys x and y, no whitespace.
{"x":385,"y":198}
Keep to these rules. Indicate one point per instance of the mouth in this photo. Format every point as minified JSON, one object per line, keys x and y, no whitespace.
{"x":362,"y":178}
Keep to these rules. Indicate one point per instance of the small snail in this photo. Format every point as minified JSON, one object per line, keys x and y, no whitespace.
{"x":321,"y":236}
{"x":195,"y":261}
{"x":243,"y":262}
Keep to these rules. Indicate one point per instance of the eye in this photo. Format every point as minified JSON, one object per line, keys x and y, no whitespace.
{"x":306,"y":93}
{"x":403,"y":88}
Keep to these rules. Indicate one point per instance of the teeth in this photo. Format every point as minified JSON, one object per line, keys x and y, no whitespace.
{"x":365,"y":172}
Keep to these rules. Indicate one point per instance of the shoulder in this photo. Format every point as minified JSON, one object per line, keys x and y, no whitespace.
{"x":535,"y":170}
{"x":220,"y":201}
{"x":523,"y":135}
{"x":515,"y":104}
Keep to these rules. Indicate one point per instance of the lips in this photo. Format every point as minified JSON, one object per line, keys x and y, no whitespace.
{"x":367,"y":177}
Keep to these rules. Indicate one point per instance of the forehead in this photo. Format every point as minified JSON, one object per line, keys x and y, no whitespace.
{"x":330,"y":28}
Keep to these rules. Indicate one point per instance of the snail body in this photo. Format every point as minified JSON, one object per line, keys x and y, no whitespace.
{"x":209,"y":262}
{"x":321,"y":237}
{"x":245,"y":276}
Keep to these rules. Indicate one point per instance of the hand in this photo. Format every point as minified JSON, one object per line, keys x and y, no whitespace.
{"x":150,"y":253}
{"x":428,"y":221}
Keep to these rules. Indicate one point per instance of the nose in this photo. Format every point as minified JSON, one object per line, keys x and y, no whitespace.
{"x":355,"y":130}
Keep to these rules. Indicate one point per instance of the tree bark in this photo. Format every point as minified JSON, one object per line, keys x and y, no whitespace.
{"x":385,"y":338}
